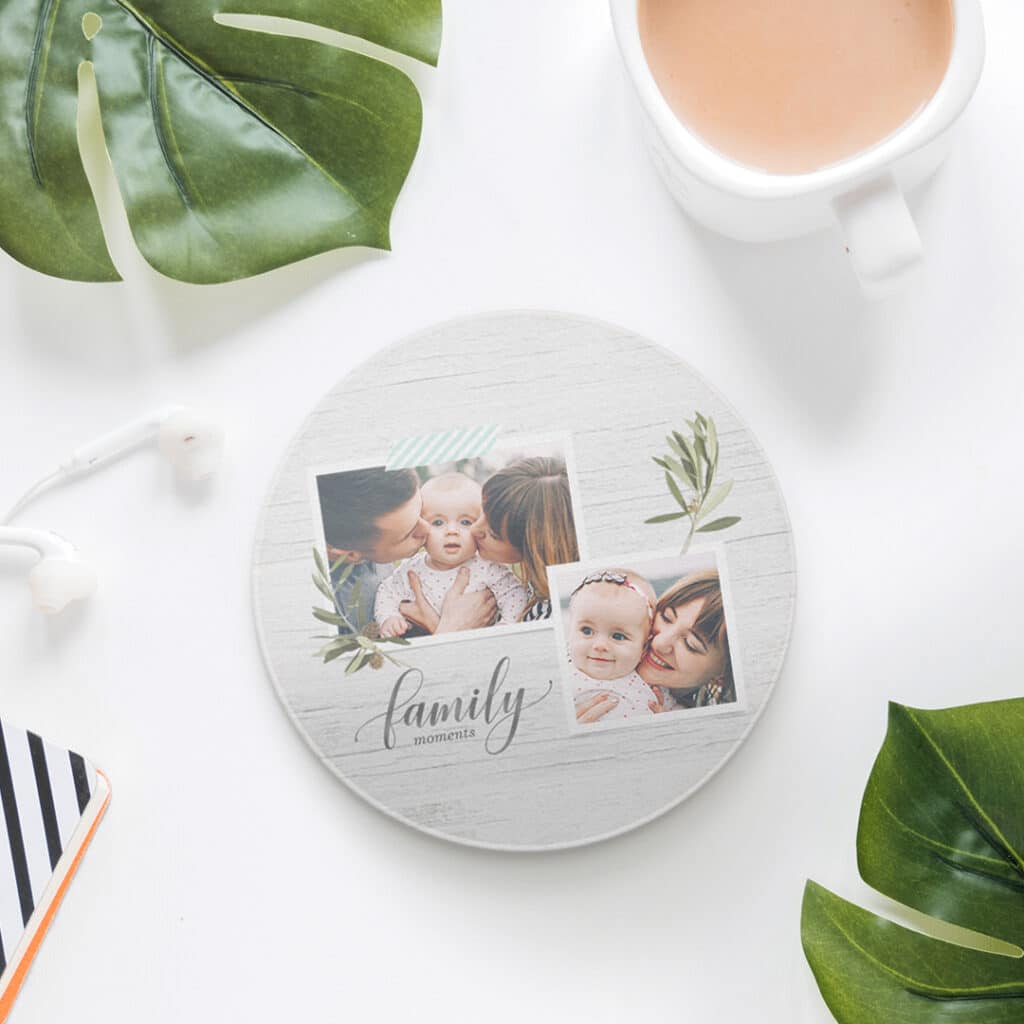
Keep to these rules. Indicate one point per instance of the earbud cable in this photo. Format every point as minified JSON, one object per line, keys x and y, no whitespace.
{"x":31,"y":494}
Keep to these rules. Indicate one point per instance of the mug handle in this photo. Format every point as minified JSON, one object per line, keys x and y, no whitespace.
{"x":881,"y":236}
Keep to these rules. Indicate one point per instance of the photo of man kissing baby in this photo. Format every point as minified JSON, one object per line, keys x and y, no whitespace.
{"x":451,"y":547}
{"x":451,"y":507}
{"x":638,"y":642}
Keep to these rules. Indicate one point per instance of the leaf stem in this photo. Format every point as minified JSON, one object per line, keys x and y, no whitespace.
{"x":689,"y":536}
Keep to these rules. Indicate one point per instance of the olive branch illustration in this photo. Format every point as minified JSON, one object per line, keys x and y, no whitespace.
{"x":693,"y":462}
{"x":364,"y":641}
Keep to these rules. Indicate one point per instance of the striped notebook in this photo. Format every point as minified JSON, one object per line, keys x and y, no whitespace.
{"x":52,"y":802}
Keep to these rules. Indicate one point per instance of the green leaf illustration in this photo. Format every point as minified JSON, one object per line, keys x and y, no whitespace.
{"x":667,"y":517}
{"x":236,"y":151}
{"x":355,"y":604}
{"x":360,"y":639}
{"x":683,"y":470}
{"x":357,"y":662}
{"x":696,"y":465}
{"x":336,"y":652}
{"x":325,"y":616}
{"x":323,"y":587}
{"x":713,"y":442}
{"x":942,"y":831}
{"x":342,"y":560}
{"x":345,"y":573}
{"x":715,"y":498}
{"x":719,"y":524}
{"x":676,"y":493}
{"x":339,"y":645}
{"x":702,"y":450}
{"x":679,"y":451}
{"x":321,"y":567}
{"x":690,"y":454}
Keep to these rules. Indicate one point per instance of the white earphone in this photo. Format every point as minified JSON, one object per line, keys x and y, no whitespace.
{"x":58,"y":578}
{"x":188,"y":439}
{"x":192,"y":442}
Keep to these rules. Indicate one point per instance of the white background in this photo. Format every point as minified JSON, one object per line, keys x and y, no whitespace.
{"x":234,"y":878}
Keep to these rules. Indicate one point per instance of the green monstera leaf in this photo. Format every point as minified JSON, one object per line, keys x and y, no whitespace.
{"x":236,"y":151}
{"x":941,"y":831}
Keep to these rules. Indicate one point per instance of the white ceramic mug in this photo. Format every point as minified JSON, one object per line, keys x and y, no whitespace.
{"x":864,"y":194}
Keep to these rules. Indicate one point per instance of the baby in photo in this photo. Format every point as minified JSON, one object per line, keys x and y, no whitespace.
{"x":610,"y":615}
{"x":451,"y":505}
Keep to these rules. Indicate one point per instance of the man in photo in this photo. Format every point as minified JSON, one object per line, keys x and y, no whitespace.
{"x":373,"y":518}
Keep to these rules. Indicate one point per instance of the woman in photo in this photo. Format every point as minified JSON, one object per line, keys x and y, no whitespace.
{"x":527,"y":521}
{"x":687,"y":661}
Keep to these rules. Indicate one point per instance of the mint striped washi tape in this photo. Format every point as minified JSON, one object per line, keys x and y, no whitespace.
{"x":442,"y":446}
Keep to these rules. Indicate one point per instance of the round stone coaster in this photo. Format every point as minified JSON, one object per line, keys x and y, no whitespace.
{"x":465,"y":605}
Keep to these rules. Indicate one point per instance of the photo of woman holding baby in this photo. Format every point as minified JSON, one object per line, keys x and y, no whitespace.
{"x":477,"y":537}
{"x":635,"y":653}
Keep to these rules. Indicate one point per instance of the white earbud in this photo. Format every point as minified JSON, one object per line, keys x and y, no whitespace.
{"x":193,"y":442}
{"x":190,"y":440}
{"x":58,"y":578}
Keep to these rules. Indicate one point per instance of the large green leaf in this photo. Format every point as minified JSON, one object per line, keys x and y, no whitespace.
{"x":236,"y":151}
{"x":941,"y":831}
{"x":871,"y":971}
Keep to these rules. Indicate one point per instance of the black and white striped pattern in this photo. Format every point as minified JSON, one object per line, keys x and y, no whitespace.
{"x":44,"y":790}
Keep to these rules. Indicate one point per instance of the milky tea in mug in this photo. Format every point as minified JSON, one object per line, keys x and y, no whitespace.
{"x":792,"y":86}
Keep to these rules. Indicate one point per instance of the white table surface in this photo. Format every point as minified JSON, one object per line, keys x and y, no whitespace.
{"x":234,"y":878}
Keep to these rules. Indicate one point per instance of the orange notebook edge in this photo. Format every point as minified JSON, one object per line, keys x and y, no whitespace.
{"x":22,"y":968}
